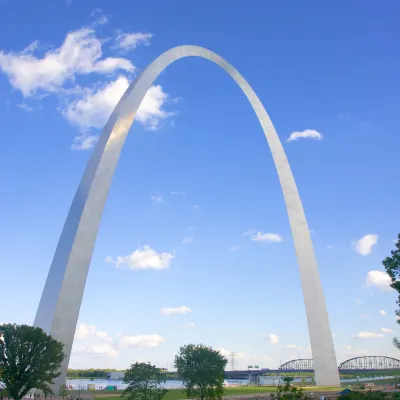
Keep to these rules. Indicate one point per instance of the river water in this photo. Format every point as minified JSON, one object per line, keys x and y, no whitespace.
{"x":102,"y":384}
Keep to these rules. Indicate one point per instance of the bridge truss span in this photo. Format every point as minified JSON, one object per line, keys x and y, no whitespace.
{"x":370,"y":363}
{"x":301,"y":364}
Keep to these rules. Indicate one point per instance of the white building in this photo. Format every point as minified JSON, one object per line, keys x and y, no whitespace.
{"x":116,"y":375}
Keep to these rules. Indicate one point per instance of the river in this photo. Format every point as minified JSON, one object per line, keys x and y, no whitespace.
{"x":99,"y":384}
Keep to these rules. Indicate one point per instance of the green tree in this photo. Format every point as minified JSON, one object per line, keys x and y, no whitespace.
{"x":392,"y":267}
{"x":202,"y":370}
{"x":29,"y":359}
{"x":144,"y":382}
{"x":63,"y":391}
{"x":288,"y":392}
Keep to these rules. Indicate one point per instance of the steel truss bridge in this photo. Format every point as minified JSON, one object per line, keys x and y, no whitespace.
{"x":367,"y":363}
{"x":353,"y":365}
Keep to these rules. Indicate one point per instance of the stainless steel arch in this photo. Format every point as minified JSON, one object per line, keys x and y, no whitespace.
{"x":62,"y":295}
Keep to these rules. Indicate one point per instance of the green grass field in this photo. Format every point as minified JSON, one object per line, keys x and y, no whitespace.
{"x":245,"y":391}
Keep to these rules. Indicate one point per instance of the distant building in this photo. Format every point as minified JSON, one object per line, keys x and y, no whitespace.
{"x":116,"y":375}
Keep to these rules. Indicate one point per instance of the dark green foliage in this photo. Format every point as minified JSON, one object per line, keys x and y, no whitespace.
{"x":370,"y":395}
{"x":144,"y":382}
{"x":29,"y":359}
{"x":63,"y":391}
{"x":202,"y":371}
{"x":392,"y":267}
{"x":90,"y":373}
{"x":288,"y":392}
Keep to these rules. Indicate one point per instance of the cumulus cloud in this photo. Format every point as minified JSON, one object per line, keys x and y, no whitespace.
{"x":175,"y":310}
{"x":387,"y":330}
{"x":100,"y":349}
{"x":80,"y":54}
{"x":87,"y":331}
{"x":267,"y":237}
{"x":91,"y":108}
{"x":378,"y":279}
{"x":367,"y":335}
{"x":365,"y":244}
{"x":129,"y":41}
{"x":272,"y":338}
{"x":141,"y":341}
{"x":227,"y":353}
{"x":306,"y":134}
{"x":144,"y":258}
{"x":382,"y":312}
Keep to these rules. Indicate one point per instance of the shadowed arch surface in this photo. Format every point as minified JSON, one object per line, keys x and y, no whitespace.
{"x":62,"y":295}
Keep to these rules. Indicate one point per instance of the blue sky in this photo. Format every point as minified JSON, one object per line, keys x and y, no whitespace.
{"x":196,"y":182}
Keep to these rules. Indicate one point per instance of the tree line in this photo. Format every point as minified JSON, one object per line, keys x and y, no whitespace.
{"x":91,"y":372}
{"x":30,"y":359}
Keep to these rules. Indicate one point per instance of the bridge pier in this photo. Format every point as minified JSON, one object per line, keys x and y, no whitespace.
{"x":254,"y":380}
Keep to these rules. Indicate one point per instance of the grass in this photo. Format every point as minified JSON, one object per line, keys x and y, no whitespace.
{"x":247,"y":391}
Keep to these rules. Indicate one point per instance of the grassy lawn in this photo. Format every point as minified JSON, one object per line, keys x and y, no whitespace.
{"x":177,"y":394}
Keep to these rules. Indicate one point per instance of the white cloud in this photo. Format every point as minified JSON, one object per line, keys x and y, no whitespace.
{"x":267,"y":237}
{"x":378,"y":279}
{"x":25,"y":107}
{"x":272,"y":339}
{"x":190,"y":325}
{"x":87,"y":331}
{"x":129,"y":41}
{"x":387,"y":330}
{"x":144,"y":258}
{"x":84,"y":331}
{"x":365,"y":244}
{"x":306,"y":134}
{"x":227,"y":353}
{"x":91,"y":108}
{"x":141,"y":340}
{"x":364,"y":316}
{"x":249,"y":232}
{"x":100,"y":349}
{"x":84,"y":142}
{"x":367,"y":335}
{"x":176,"y":310}
{"x":359,"y":301}
{"x":80,"y":53}
{"x":382,"y":312}
{"x":188,"y":240}
{"x":348,"y":347}
{"x":157,"y":199}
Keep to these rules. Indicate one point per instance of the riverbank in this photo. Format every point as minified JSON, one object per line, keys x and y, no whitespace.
{"x":247,"y":391}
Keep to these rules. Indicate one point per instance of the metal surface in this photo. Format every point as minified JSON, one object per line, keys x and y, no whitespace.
{"x":370,"y":363}
{"x":62,"y":295}
{"x":301,"y":364}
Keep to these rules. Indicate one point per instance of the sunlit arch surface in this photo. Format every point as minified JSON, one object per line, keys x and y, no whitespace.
{"x":62,"y":295}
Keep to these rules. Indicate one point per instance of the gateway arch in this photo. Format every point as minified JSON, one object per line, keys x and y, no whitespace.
{"x":61,"y":299}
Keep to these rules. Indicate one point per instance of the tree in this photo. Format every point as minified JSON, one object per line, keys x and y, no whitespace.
{"x":392,"y":267}
{"x":144,"y":382}
{"x":202,"y":370}
{"x":29,"y":359}
{"x":63,"y":391}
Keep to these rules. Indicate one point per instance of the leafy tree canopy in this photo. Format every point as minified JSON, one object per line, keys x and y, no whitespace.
{"x":144,"y":382}
{"x":392,"y":267}
{"x":29,"y":359}
{"x":202,"y":370}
